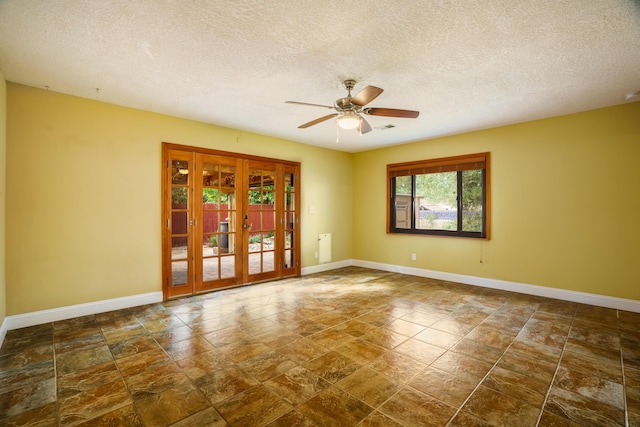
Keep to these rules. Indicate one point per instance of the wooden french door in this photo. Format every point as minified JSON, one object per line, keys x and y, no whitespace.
{"x":228,"y":220}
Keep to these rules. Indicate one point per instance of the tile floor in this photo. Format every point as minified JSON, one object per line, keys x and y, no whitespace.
{"x":348,"y":347}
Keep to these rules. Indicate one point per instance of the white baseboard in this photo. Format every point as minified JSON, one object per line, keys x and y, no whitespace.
{"x":3,"y":331}
{"x":522,"y":288}
{"x":68,"y":312}
{"x":325,"y":267}
{"x":56,"y":314}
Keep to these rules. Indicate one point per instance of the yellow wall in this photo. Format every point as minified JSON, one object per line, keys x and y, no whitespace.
{"x":565,"y":204}
{"x":3,"y":186}
{"x":83,"y":196}
{"x":83,"y":200}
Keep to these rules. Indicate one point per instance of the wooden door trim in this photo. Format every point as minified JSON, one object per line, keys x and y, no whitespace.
{"x":280,"y":164}
{"x":172,"y":146}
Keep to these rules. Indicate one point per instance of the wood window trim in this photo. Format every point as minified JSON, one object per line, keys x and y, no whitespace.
{"x":444,"y":164}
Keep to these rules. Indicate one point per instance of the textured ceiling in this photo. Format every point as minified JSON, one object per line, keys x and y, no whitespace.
{"x":465,"y":65}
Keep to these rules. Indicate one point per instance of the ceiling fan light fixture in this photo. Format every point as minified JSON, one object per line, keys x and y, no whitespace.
{"x":349,"y":120}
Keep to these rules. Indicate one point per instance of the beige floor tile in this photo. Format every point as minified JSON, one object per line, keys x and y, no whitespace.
{"x":170,"y":405}
{"x":208,"y":417}
{"x":292,"y":419}
{"x":334,"y":407}
{"x":411,"y":407}
{"x":360,"y":351}
{"x":244,"y":350}
{"x":123,"y":416}
{"x":80,"y":359}
{"x":462,"y":366}
{"x":254,"y":407}
{"x":225,"y":383}
{"x":438,"y":338}
{"x":302,"y":350}
{"x":319,"y":350}
{"x":519,"y":386}
{"x":267,"y":365}
{"x":397,"y":366}
{"x":420,"y":351}
{"x":499,"y":409}
{"x":332,"y":366}
{"x":297,"y":385}
{"x":377,"y":419}
{"x":370,"y":386}
{"x":444,"y":386}
{"x":203,"y":364}
{"x":582,"y":410}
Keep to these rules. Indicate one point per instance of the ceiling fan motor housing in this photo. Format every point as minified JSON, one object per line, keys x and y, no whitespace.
{"x":343,"y":104}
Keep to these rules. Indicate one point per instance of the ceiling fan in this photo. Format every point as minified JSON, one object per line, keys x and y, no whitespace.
{"x":349,"y":109}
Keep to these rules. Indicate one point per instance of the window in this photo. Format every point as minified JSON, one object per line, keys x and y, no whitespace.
{"x":444,"y":197}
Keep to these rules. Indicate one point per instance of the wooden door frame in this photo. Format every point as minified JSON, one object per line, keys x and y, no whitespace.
{"x":282,"y":165}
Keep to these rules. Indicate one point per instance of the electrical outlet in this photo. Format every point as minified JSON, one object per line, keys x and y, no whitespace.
{"x":413,"y":257}
{"x":316,"y":255}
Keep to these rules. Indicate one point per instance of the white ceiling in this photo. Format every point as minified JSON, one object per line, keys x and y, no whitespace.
{"x":465,"y":65}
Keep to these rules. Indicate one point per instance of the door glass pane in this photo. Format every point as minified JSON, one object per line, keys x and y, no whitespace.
{"x":231,"y":200}
{"x":255,"y":178}
{"x":210,"y":175}
{"x":227,"y":176}
{"x":289,"y":190}
{"x":179,"y":222}
{"x":288,"y":239}
{"x":179,"y":197}
{"x":179,"y":247}
{"x":290,"y":200}
{"x":255,"y":200}
{"x":180,"y":172}
{"x":268,"y":199}
{"x":267,"y":241}
{"x":268,"y":179}
{"x":290,"y":221}
{"x":255,"y":263}
{"x":210,"y":198}
{"x":268,"y":261}
{"x":179,"y":270}
{"x":255,"y":242}
{"x":268,"y":220}
{"x":210,"y":245}
{"x":228,"y":266}
{"x":210,"y":269}
{"x":209,"y":223}
{"x":288,"y":258}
